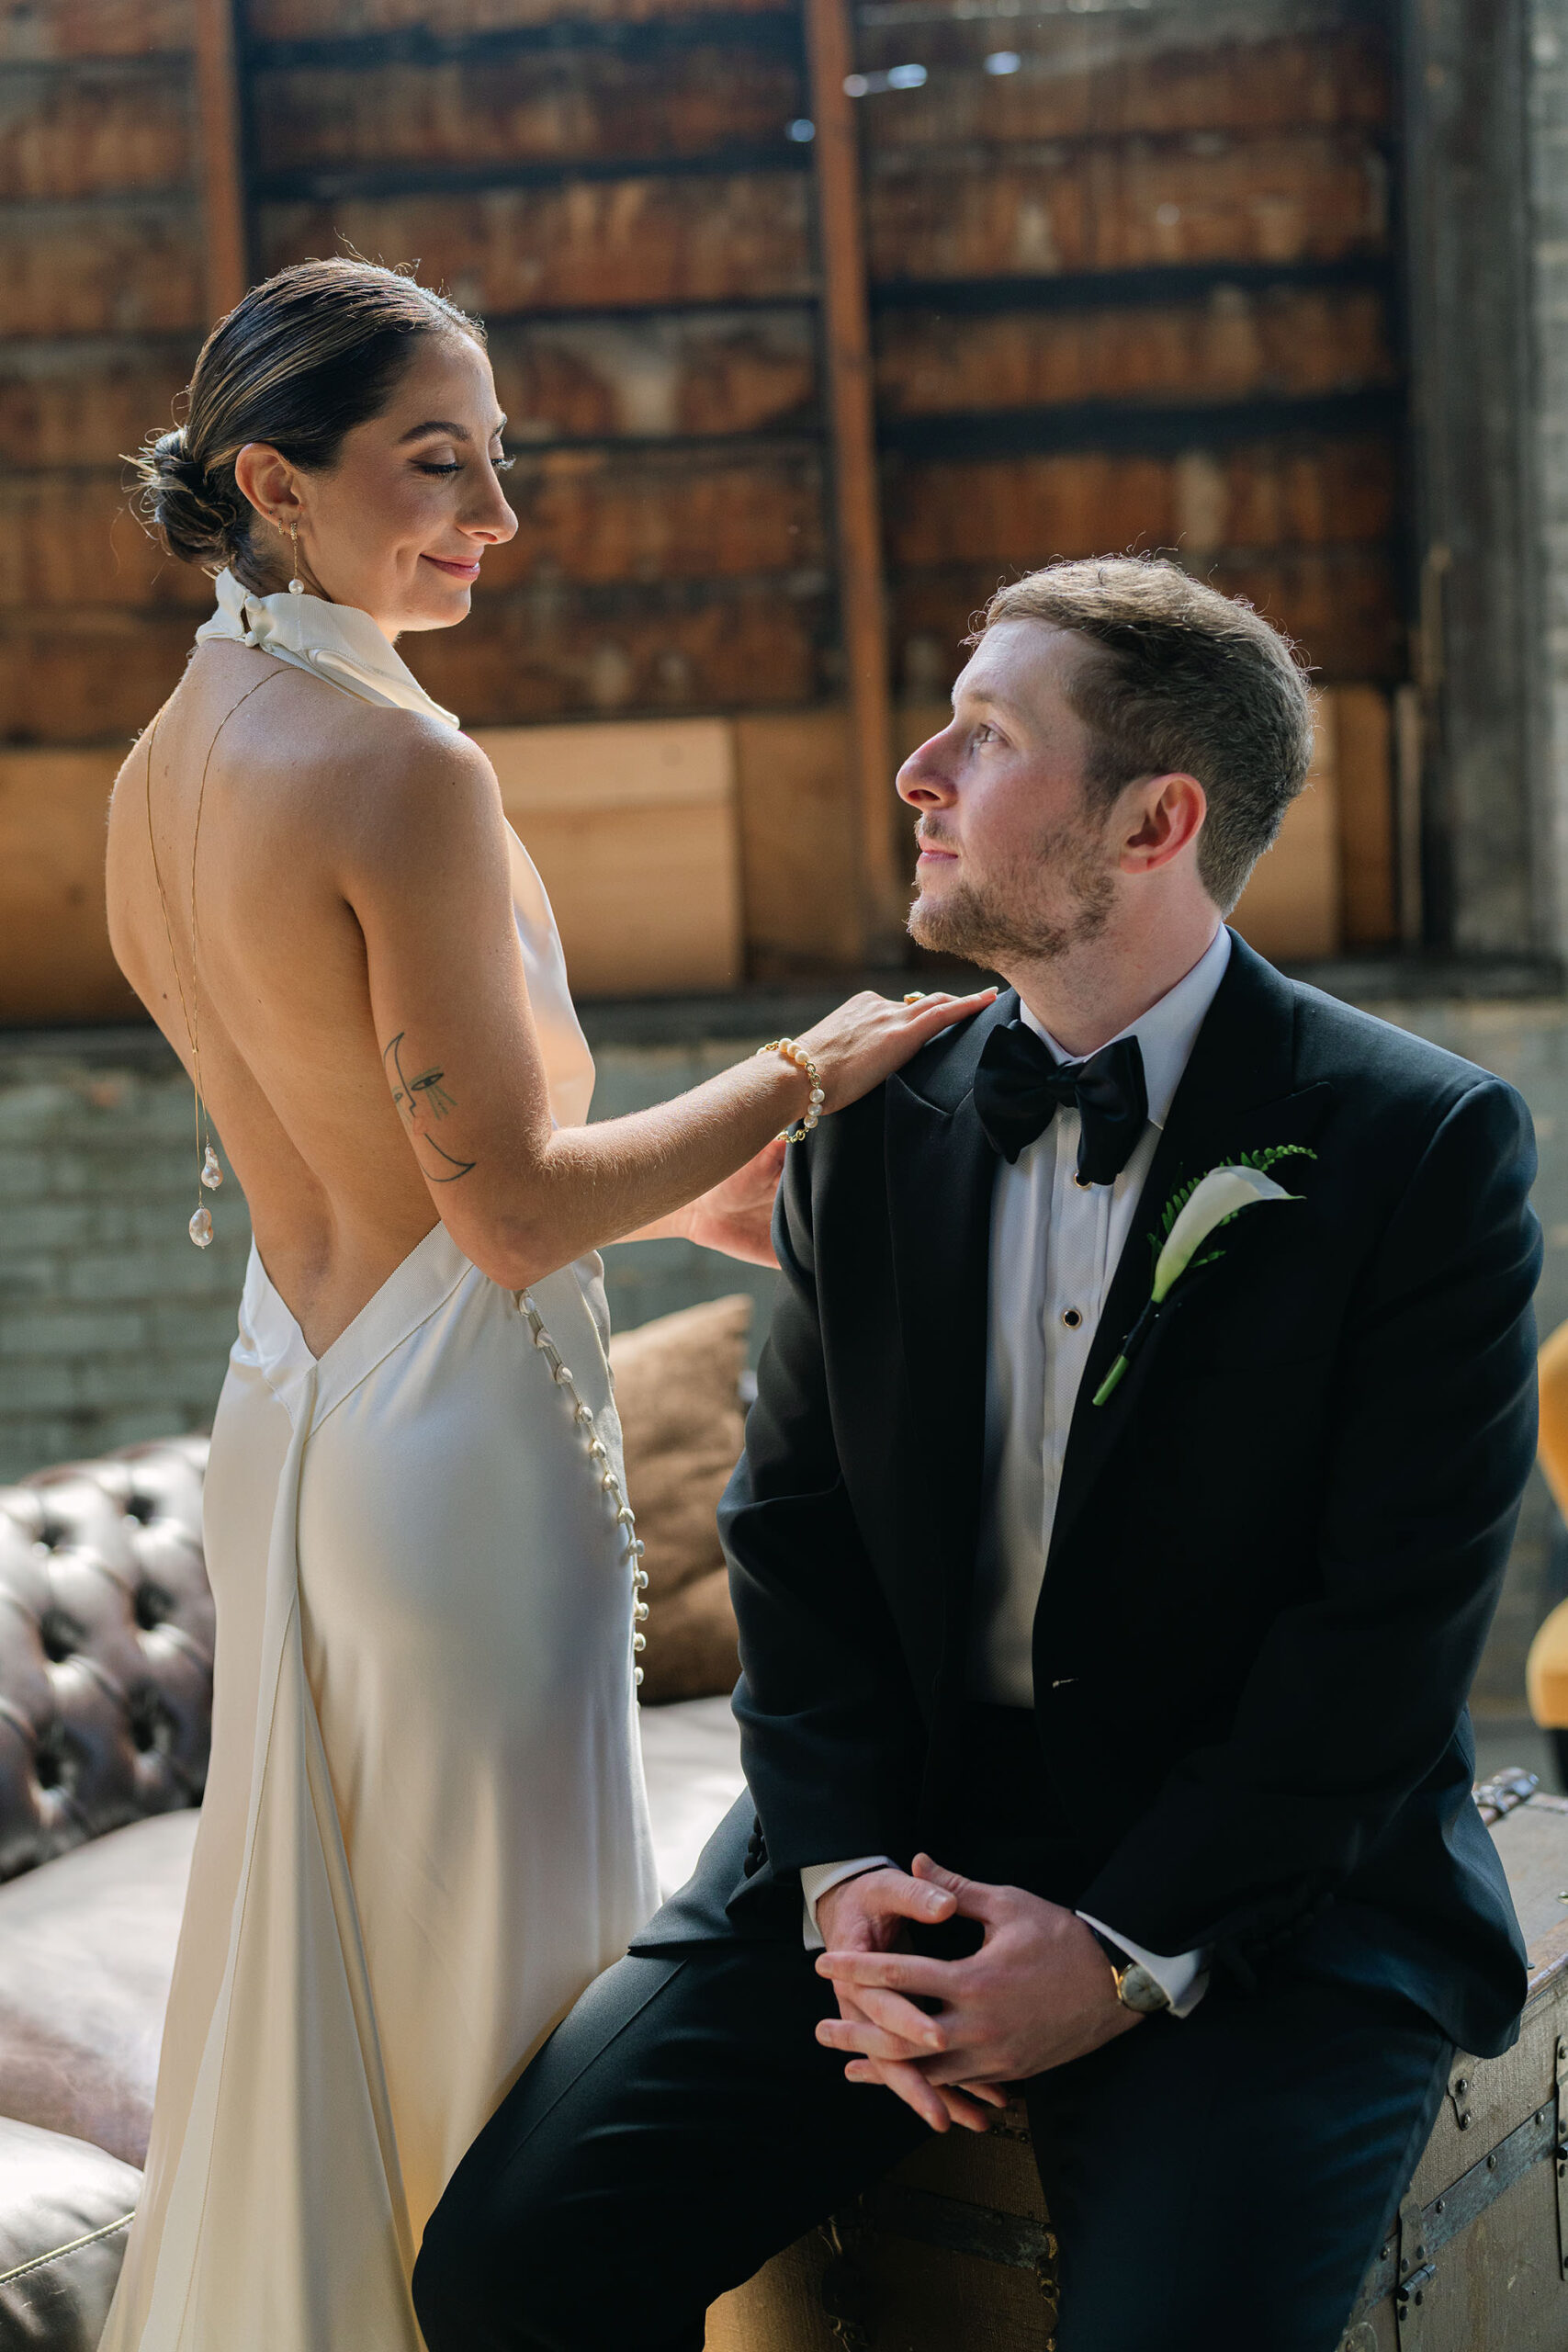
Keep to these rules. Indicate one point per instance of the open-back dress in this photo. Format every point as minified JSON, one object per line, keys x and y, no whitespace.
{"x":424,"y":1830}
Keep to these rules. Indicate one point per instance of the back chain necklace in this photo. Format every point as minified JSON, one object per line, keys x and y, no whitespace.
{"x":210,"y":1174}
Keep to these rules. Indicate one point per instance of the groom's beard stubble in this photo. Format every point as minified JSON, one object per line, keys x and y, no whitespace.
{"x":1003,"y":921}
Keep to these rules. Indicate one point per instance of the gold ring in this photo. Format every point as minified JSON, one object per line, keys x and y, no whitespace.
{"x":915,"y":996}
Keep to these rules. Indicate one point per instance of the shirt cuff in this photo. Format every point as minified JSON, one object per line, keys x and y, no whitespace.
{"x":1184,"y":1978}
{"x":815,"y":1878}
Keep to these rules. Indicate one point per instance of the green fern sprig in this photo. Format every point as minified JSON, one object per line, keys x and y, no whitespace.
{"x":1262,"y":1160}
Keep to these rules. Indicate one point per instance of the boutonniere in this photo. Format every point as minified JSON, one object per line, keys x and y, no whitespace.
{"x":1194,"y":1212}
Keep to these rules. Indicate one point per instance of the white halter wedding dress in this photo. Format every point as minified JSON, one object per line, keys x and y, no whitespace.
{"x":425,"y":1828}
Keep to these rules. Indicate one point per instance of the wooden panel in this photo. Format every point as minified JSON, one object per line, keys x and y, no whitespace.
{"x":1340,"y":604}
{"x":94,"y":130}
{"x":72,"y":540}
{"x":108,"y":269}
{"x":55,"y":963}
{"x":1027,"y":510}
{"x":1232,"y":346}
{"x":75,"y":676}
{"x":552,"y":653}
{"x":1313,"y":198}
{"x":522,"y":109}
{"x":1290,"y":909}
{"x":317,"y":19}
{"x":1074,"y":82}
{"x":638,"y":240}
{"x":591,"y":514}
{"x":633,"y":828}
{"x":57,"y":407}
{"x":798,"y":842}
{"x":1362,"y":719}
{"x":724,"y":374}
{"x":76,"y":28}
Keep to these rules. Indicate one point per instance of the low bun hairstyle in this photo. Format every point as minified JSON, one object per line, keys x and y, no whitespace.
{"x":297,"y":364}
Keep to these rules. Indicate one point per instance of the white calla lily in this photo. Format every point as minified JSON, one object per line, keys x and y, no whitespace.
{"x":1222,"y":1192}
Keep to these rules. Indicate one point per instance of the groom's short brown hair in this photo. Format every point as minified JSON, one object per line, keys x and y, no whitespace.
{"x":1188,"y":680}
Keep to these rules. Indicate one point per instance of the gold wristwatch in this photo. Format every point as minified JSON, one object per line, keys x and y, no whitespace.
{"x":1138,"y":1987}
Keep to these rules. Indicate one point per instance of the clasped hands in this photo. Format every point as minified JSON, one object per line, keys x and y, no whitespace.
{"x":1037,"y":1993}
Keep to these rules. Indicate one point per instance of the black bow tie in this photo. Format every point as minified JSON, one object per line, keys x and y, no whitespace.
{"x":1021,"y":1085}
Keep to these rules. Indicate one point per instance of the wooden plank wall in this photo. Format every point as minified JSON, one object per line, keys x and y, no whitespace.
{"x":1131,"y":286}
{"x":1134,"y":289}
{"x":102,"y":305}
{"x":1132,"y":280}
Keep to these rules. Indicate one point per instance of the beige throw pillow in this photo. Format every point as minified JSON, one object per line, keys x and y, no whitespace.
{"x":677,"y":1382}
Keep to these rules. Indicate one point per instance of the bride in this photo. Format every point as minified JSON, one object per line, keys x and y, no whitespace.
{"x":424,"y":1830}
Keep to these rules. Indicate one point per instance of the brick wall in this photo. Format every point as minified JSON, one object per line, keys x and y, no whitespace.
{"x":112,"y":1327}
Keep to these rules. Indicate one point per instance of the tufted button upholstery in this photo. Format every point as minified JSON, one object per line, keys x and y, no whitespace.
{"x":106,"y":1648}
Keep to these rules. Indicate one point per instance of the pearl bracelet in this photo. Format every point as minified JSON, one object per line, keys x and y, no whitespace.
{"x":802,"y":1060}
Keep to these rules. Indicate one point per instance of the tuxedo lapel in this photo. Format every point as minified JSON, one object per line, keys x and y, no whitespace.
{"x":940,"y":1174}
{"x":1235,"y":1096}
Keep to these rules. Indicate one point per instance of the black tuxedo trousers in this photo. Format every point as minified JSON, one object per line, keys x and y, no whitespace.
{"x":683,"y":2124}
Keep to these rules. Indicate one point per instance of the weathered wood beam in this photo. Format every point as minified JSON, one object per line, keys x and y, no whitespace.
{"x":846,"y":346}
{"x":223,"y":171}
{"x":1478,"y":632}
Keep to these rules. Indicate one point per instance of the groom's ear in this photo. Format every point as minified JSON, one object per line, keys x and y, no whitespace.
{"x":1159,"y":818}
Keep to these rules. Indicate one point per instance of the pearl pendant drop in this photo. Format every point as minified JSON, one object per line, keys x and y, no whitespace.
{"x":200,"y":1227}
{"x":211,"y":1174}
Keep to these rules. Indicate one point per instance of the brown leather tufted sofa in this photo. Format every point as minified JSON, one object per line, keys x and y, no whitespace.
{"x":106,"y":1695}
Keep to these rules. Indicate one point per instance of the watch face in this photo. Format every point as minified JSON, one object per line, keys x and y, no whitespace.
{"x":1136,"y":1989}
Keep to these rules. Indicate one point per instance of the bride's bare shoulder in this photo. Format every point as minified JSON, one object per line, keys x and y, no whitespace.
{"x":386,"y":780}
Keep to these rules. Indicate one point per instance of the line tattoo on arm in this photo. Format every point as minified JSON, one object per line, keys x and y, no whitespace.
{"x":419,"y":1100}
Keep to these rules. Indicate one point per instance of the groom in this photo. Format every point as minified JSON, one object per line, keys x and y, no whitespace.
{"x":1103,"y":1700}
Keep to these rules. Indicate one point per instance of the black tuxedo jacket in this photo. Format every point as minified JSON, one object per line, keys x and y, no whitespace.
{"x":1277,"y":1548}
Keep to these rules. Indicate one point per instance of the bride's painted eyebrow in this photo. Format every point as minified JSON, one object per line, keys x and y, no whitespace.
{"x":445,"y":424}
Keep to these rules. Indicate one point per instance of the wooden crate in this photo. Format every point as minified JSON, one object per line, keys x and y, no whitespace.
{"x":103,"y":129}
{"x":55,"y":963}
{"x":554,"y":651}
{"x":955,"y":2248}
{"x":529,"y":107}
{"x":135,"y":267}
{"x":714,"y":373}
{"x":1316,"y":195}
{"x":318,"y":19}
{"x":660,"y":515}
{"x":1232,"y":344}
{"x":37,"y":30}
{"x":633,"y":828}
{"x":1256,"y":494}
{"x":639,"y":242}
{"x":1291,"y":908}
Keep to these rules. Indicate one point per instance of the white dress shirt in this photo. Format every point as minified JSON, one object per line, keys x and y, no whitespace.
{"x":1054,"y":1249}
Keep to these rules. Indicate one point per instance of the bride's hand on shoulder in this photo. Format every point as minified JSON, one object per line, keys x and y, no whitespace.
{"x":870,"y":1036}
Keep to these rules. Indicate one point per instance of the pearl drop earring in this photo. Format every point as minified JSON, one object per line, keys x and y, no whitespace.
{"x":296,"y":585}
